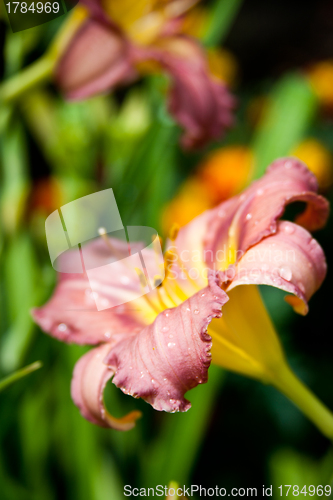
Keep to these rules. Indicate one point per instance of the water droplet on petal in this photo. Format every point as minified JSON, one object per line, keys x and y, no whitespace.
{"x":260,"y":192}
{"x":203,"y":294}
{"x":152,"y":381}
{"x":124,"y":280}
{"x":170,"y":336}
{"x":248,"y":216}
{"x":165,"y":329}
{"x":167,"y":313}
{"x":107,"y":335}
{"x":188,"y":309}
{"x":289,"y":229}
{"x":62,"y":327}
{"x":286,"y":273}
{"x":171,"y":344}
{"x":196,"y":311}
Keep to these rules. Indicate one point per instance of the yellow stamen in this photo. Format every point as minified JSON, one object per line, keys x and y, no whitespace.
{"x":103,"y":234}
{"x":143,"y":283}
{"x":174,"y":230}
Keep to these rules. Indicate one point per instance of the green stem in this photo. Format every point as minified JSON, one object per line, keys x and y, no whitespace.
{"x":38,"y":72}
{"x":5,"y":382}
{"x":287,"y":383}
{"x":42,"y":69}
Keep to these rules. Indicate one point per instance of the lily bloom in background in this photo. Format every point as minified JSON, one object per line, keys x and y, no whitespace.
{"x":160,"y":346}
{"x":119,"y":41}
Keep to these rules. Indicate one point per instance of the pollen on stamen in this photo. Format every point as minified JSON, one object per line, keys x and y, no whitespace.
{"x":142,"y":278}
{"x":173,"y":233}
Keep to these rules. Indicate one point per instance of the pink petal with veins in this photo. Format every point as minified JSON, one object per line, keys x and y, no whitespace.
{"x":290,"y":260}
{"x":89,"y":380}
{"x":255,"y":212}
{"x":170,"y":356}
{"x":199,"y":102}
{"x":97,"y":60}
{"x":71,"y":314}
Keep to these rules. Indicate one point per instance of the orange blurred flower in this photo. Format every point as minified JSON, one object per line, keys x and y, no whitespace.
{"x":224,"y":173}
{"x":318,"y":159}
{"x":321,"y":79}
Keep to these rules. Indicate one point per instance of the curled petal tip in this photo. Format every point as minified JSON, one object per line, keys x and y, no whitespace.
{"x":89,"y":380}
{"x":125,"y":423}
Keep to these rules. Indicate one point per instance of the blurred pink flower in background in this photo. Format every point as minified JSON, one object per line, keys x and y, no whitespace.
{"x":118,"y":41}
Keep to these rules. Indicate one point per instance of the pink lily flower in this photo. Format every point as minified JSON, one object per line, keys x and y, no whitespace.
{"x":116,"y":43}
{"x":161,"y":345}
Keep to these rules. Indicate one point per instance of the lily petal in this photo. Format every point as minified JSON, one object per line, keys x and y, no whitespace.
{"x":89,"y":380}
{"x":244,"y":220}
{"x":244,"y":339}
{"x":290,"y":260}
{"x":71,"y":314}
{"x":200,"y":103}
{"x":97,"y":59}
{"x":172,"y":355}
{"x":253,"y":215}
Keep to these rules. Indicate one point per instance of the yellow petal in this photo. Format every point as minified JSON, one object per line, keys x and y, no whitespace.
{"x":127,"y":12}
{"x":244,"y":339}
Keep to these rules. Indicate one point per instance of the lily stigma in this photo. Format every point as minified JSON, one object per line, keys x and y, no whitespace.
{"x":207,"y":308}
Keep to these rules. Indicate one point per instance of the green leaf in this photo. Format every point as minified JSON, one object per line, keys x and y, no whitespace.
{"x":174,"y":453}
{"x":221,"y":17}
{"x":286,"y":120}
{"x":5,"y":382}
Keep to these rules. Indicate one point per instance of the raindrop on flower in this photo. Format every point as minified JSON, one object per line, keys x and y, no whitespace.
{"x":286,"y":273}
{"x":196,"y":311}
{"x":249,"y":216}
{"x":289,"y":229}
{"x":171,"y":344}
{"x":105,"y":303}
{"x":62,"y":327}
{"x":107,"y":335}
{"x":124,"y":280}
{"x":165,"y":329}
